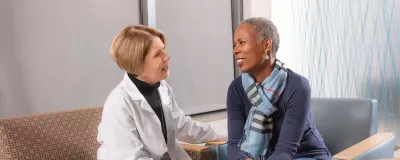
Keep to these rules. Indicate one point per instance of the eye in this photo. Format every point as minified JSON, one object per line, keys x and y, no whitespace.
{"x":242,"y":42}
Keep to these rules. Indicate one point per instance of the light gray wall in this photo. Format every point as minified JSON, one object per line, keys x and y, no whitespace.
{"x":199,"y":40}
{"x":5,"y":48}
{"x":54,"y":55}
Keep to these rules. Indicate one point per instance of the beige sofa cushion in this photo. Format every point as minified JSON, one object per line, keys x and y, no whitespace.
{"x":59,"y":135}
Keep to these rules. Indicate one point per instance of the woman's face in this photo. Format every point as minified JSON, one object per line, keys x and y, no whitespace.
{"x":249,"y":54}
{"x":155,"y":66}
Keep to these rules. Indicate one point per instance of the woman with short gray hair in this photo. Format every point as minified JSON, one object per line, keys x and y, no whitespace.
{"x":268,"y":104}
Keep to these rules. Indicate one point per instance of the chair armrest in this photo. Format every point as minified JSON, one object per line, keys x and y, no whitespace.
{"x":368,"y":145}
{"x":194,"y":147}
{"x":197,"y":152}
{"x":215,"y":143}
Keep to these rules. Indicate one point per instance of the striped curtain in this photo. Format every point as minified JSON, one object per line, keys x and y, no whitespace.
{"x":346,"y":48}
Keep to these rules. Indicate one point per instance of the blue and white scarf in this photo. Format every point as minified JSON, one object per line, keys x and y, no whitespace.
{"x":259,"y":123}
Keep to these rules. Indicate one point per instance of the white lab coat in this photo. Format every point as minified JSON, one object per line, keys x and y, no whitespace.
{"x":130,"y":129}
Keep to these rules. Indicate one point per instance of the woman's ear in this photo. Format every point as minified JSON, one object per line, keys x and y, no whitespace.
{"x":267,"y":45}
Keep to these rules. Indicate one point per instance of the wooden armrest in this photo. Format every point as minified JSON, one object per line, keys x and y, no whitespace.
{"x":192,"y":147}
{"x":365,"y":145}
{"x":215,"y":143}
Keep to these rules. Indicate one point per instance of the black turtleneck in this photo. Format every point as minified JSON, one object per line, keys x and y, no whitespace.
{"x":150,"y":93}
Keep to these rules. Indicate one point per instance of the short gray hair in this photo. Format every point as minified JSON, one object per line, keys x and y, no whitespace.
{"x":264,"y":29}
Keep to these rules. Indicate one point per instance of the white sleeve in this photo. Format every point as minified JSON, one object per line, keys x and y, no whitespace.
{"x":118,"y":133}
{"x":188,"y":130}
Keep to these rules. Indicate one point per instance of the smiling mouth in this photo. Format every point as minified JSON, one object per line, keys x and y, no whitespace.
{"x":239,"y":61}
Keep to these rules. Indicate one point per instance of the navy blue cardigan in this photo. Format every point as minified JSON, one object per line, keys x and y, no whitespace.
{"x":294,"y":133}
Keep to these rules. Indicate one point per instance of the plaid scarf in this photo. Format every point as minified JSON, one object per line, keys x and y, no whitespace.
{"x":259,"y":124}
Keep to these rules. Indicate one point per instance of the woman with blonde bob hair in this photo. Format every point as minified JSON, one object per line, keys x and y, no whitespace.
{"x":141,"y":119}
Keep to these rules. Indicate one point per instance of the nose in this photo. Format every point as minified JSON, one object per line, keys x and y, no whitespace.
{"x":235,"y":50}
{"x":166,"y":57}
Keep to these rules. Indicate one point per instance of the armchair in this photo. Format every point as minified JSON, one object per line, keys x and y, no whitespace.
{"x":348,"y":126}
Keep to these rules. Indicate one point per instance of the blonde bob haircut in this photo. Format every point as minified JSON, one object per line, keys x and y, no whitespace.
{"x":130,"y":47}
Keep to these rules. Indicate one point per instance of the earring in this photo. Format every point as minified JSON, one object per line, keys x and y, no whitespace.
{"x":266,"y":56}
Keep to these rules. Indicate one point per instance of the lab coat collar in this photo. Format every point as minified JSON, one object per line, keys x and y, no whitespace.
{"x":166,"y":100}
{"x":131,"y":89}
{"x":135,"y":94}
